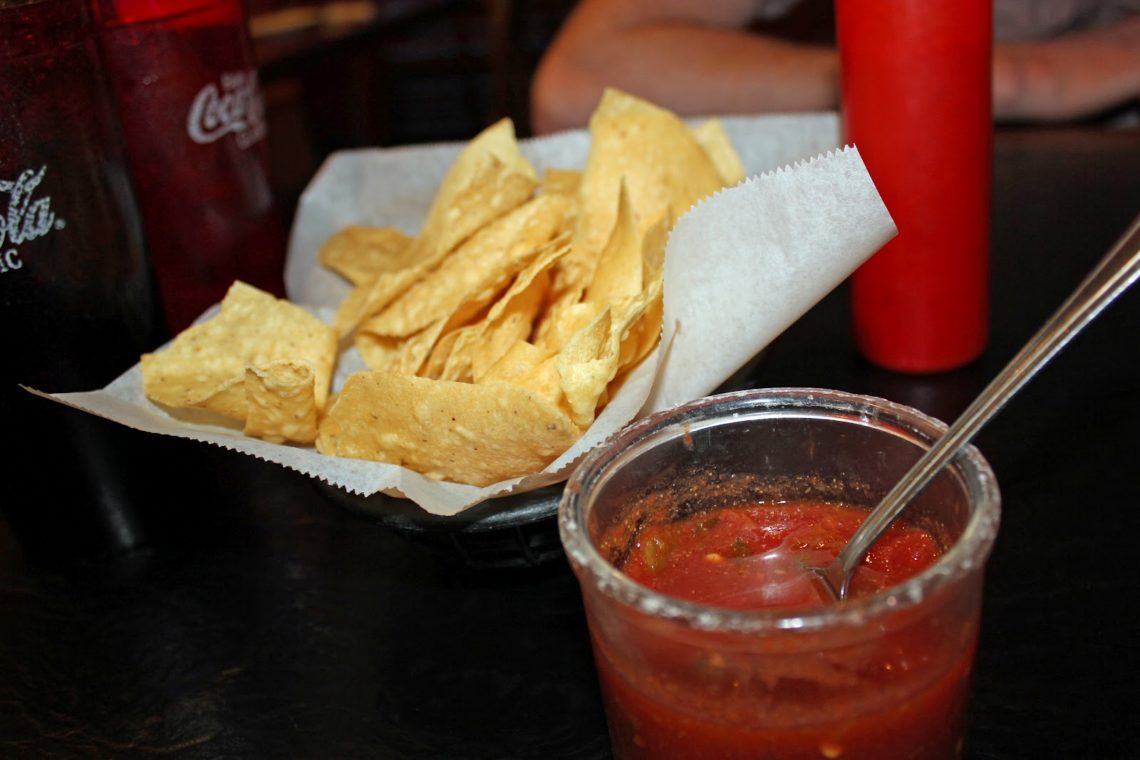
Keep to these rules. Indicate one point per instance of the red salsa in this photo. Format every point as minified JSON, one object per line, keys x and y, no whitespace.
{"x":753,"y":556}
{"x":893,"y":688}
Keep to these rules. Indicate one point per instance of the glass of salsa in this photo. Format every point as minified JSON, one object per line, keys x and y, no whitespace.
{"x":689,"y":532}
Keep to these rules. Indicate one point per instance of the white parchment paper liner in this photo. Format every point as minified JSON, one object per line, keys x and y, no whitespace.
{"x":740,"y":268}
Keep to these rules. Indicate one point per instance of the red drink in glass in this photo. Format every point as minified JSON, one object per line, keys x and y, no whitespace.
{"x":184,"y":77}
{"x":916,"y":84}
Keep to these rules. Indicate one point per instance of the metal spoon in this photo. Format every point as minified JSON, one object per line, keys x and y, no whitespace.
{"x":1118,"y":270}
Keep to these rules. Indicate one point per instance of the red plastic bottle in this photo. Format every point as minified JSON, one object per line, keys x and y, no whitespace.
{"x":916,"y":93}
{"x":186,"y":84}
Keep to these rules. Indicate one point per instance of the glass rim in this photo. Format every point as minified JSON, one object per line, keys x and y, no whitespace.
{"x":968,"y":553}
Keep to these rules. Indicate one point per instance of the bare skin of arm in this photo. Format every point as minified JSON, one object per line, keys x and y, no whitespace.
{"x":1068,"y":77}
{"x":694,"y":57}
{"x":691,"y":57}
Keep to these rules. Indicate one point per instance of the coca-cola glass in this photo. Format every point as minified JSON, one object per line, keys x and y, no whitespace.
{"x":77,"y":298}
{"x":184,"y":77}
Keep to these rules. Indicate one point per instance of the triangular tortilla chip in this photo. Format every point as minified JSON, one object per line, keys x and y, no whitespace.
{"x":463,"y":432}
{"x":252,"y":328}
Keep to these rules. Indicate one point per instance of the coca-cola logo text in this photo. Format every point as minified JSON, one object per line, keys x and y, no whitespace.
{"x":231,"y":106}
{"x":26,"y":218}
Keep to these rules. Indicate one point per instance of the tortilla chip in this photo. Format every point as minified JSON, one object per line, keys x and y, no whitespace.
{"x":280,"y":402}
{"x":369,"y":298}
{"x":407,"y":355}
{"x":712,"y":137}
{"x":479,"y":345}
{"x":664,"y":168}
{"x":586,"y":365}
{"x":562,"y":320}
{"x":252,"y":328}
{"x":528,"y":366}
{"x":563,"y":181}
{"x":470,"y":278}
{"x":463,"y":432}
{"x":618,"y":275}
{"x":488,"y":178}
{"x":360,"y":253}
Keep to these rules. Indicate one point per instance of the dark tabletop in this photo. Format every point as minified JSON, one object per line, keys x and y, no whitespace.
{"x":257,"y":619}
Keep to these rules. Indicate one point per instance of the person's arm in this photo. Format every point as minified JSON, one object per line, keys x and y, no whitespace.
{"x":1068,"y":77}
{"x":691,"y":57}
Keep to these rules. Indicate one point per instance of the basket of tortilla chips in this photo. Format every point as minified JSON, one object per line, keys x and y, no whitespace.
{"x":466,"y":320}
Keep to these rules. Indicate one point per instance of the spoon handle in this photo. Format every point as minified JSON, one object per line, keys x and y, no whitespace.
{"x":1119,"y":269}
